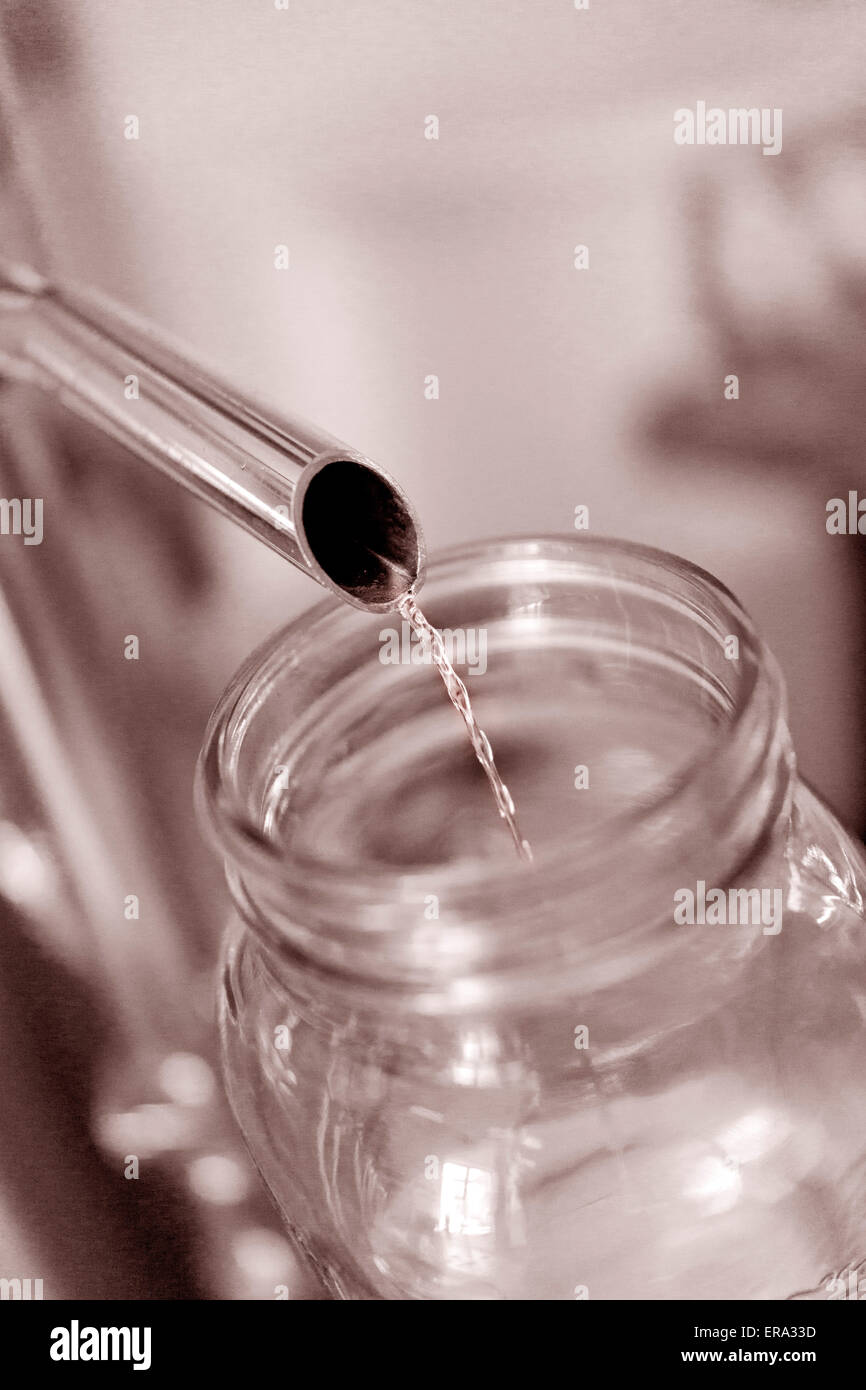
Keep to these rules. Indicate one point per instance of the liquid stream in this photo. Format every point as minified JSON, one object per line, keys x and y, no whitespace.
{"x":431,"y":638}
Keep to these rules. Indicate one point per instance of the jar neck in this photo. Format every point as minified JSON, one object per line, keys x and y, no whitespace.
{"x":595,"y":909}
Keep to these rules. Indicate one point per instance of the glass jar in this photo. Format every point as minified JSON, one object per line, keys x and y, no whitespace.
{"x":633,"y":1069}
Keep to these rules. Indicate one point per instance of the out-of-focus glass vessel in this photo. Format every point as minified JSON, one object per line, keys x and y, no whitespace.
{"x":635,"y":1069}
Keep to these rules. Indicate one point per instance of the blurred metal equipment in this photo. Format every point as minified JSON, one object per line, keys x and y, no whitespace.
{"x":121,"y":1175}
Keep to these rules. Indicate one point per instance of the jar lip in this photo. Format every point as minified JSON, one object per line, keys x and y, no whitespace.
{"x":231,"y":830}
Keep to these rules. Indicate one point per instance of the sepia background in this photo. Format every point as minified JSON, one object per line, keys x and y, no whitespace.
{"x":409,"y":258}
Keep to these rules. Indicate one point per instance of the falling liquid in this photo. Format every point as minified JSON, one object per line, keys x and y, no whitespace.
{"x":431,"y":639}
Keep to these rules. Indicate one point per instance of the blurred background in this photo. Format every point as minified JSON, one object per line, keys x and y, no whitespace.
{"x":261,"y":126}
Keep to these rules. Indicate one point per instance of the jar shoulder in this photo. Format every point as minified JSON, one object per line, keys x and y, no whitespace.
{"x":826,"y":864}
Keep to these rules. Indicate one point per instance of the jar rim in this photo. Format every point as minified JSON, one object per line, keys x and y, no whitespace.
{"x":243,"y":843}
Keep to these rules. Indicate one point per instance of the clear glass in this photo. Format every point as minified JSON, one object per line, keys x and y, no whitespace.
{"x":462,"y":1077}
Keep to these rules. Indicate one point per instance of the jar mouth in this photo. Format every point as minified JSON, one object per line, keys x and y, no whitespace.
{"x":733,"y":757}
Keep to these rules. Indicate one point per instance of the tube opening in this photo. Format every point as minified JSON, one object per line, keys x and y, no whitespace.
{"x":361,"y":532}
